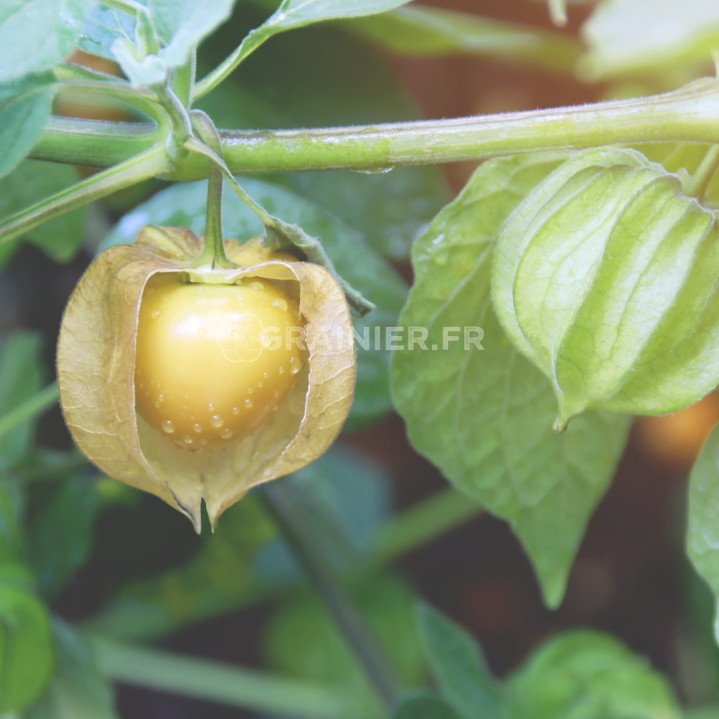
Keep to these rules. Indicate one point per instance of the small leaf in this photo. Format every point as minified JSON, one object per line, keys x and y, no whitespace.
{"x":495,"y":442}
{"x":20,"y":378}
{"x":24,"y":109}
{"x":425,"y":707}
{"x":26,"y":652}
{"x":77,"y":690}
{"x":31,"y":181}
{"x":296,"y":13}
{"x":702,"y":529}
{"x":458,"y":666}
{"x":60,"y":532}
{"x":588,"y":675}
{"x":103,"y":26}
{"x":37,"y":34}
{"x":605,"y":278}
{"x":673,"y":35}
{"x":179,"y":27}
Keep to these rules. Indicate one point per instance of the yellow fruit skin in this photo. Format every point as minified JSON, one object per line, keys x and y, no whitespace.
{"x":213,"y":360}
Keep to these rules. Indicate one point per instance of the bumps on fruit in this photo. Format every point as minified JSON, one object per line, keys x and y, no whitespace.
{"x":196,"y":384}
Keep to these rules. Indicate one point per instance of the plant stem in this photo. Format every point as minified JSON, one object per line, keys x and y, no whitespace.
{"x":308,"y":551}
{"x":422,"y":523}
{"x":685,"y":115}
{"x":31,"y":407}
{"x":148,"y":164}
{"x":699,"y":182}
{"x":204,"y":679}
{"x":213,"y":244}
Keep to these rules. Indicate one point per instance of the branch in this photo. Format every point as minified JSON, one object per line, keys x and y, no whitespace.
{"x":689,"y":114}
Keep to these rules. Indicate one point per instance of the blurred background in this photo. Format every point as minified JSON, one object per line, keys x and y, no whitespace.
{"x":145,"y":575}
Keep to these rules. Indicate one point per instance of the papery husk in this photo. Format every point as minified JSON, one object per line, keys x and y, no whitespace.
{"x":96,"y":369}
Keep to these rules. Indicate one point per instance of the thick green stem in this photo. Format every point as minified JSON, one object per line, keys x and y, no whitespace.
{"x":308,"y":551}
{"x":148,"y":164}
{"x":686,"y":115}
{"x":203,"y":679}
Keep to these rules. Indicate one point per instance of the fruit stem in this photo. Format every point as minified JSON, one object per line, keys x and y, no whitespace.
{"x":214,"y":248}
{"x":307,"y":549}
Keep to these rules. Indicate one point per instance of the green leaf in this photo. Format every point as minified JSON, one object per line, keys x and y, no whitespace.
{"x":291,"y":15}
{"x":20,"y":378}
{"x":60,"y":531}
{"x":31,"y":181}
{"x":494,"y":441}
{"x":458,"y":666}
{"x":218,"y":578}
{"x":425,"y":707}
{"x":673,"y":35}
{"x":427,"y":31}
{"x":77,"y":690}
{"x":605,"y":278}
{"x":345,"y":514}
{"x":26,"y":652}
{"x":385,"y":603}
{"x":242,"y":560}
{"x":185,"y":205}
{"x":103,"y":26}
{"x":588,"y":675}
{"x":179,"y":27}
{"x":24,"y":108}
{"x":36,"y":34}
{"x":702,"y":527}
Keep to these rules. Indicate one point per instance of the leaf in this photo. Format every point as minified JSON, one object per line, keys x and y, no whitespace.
{"x":458,"y":666}
{"x":31,"y":181}
{"x":96,"y":377}
{"x":243,"y":560}
{"x":604,"y":277}
{"x":428,"y":31}
{"x":37,"y":34}
{"x":484,"y":417}
{"x":673,"y":35}
{"x":184,"y":205}
{"x":589,"y":675}
{"x":303,"y":622}
{"x":60,"y":531}
{"x":77,"y":690}
{"x":345,"y":514}
{"x":26,"y":652}
{"x":291,"y":15}
{"x":24,"y":110}
{"x":179,"y":27}
{"x":702,"y":528}
{"x":20,"y":378}
{"x":218,"y":578}
{"x":103,"y":26}
{"x":425,"y":707}
{"x":322,"y":77}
